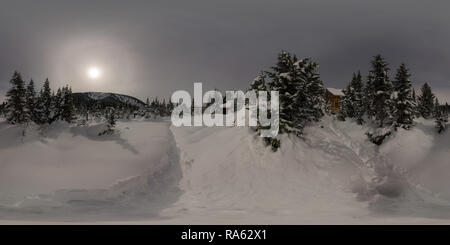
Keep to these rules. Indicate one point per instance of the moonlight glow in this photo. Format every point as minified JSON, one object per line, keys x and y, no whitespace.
{"x":94,"y":73}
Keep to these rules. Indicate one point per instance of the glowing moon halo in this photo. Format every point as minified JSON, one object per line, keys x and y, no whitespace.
{"x":94,"y":73}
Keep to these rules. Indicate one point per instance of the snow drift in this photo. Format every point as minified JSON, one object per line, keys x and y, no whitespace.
{"x":150,"y":173}
{"x":70,"y":173}
{"x":333,"y":175}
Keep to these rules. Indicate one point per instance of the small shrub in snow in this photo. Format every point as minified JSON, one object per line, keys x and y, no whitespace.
{"x":379,"y":135}
{"x":110,"y":123}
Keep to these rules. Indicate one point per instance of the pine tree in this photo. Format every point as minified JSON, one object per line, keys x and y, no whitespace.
{"x":30,"y":100}
{"x":67,"y":107}
{"x":259,"y":83}
{"x":441,"y":117}
{"x":404,"y":103}
{"x":16,"y":101}
{"x":358,"y":101}
{"x":382,"y":91}
{"x":45,"y":102}
{"x":416,"y":103}
{"x":426,"y":101}
{"x":352,"y":104}
{"x":301,"y":94}
{"x":57,"y":104}
{"x":346,"y":104}
{"x":369,"y":98}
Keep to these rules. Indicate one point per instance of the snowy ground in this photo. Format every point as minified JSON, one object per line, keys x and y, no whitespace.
{"x":151,"y":173}
{"x":72,"y":174}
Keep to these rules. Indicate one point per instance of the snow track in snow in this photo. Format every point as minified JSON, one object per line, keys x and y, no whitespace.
{"x":196,"y":175}
{"x":134,"y":197}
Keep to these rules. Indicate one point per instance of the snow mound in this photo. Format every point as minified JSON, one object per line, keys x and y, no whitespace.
{"x":69,"y":173}
{"x":154,"y":174}
{"x":333,"y":175}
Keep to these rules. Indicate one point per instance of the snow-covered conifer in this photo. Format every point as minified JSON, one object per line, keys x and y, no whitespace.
{"x":382,"y":103}
{"x":30,"y":102}
{"x":45,"y":103}
{"x":16,"y":101}
{"x":369,"y":97}
{"x":301,"y":93}
{"x":404,"y":102}
{"x":441,"y":117}
{"x":353,"y":103}
{"x":66,"y":107}
{"x":426,"y":101}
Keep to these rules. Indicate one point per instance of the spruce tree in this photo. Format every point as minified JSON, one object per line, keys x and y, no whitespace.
{"x":358,"y":100}
{"x":346,"y":104}
{"x":45,"y":101}
{"x":404,"y":103}
{"x":441,"y":117}
{"x":67,"y":107}
{"x":369,"y":97}
{"x":382,"y":91}
{"x":352,"y":104}
{"x":30,"y":98}
{"x":57,"y":105}
{"x":259,"y":83}
{"x":301,"y":94}
{"x":426,"y":102}
{"x":416,"y":103}
{"x":16,"y":100}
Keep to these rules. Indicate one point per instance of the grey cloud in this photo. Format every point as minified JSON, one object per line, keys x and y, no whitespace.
{"x":151,"y":48}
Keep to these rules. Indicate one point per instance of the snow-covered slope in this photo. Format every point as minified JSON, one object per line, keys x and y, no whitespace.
{"x":193,"y":175}
{"x":70,"y":173}
{"x":334,"y":175}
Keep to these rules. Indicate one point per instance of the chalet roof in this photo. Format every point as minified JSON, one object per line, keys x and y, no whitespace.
{"x":336,"y":92}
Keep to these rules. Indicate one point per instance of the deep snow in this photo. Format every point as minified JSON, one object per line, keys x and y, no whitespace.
{"x":70,"y":173}
{"x":150,"y":173}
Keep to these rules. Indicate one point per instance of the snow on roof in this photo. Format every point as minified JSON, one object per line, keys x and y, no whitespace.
{"x":335,"y":91}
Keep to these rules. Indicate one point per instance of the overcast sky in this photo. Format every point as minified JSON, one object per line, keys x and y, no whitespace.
{"x":152,"y":48}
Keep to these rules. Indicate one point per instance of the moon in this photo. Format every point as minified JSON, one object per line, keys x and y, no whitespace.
{"x":94,"y":73}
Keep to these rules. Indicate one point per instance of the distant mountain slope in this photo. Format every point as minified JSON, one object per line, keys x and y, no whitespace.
{"x":106,"y":99}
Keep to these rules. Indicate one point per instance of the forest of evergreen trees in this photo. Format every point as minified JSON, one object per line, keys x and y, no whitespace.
{"x":384,"y":103}
{"x":24,"y":105}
